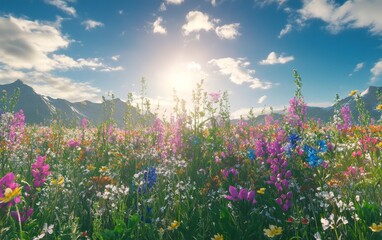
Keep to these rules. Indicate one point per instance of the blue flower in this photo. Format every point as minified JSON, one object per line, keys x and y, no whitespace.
{"x":251,"y":154}
{"x":322,"y":146}
{"x":313,"y":159}
{"x":294,"y":138}
{"x":150,"y":177}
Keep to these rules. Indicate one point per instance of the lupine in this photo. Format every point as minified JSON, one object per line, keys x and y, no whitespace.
{"x":40,"y":170}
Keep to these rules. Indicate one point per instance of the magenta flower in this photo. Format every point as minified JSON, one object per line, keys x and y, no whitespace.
{"x":73,"y":143}
{"x":9,"y":190}
{"x":40,"y":170}
{"x":243,"y":194}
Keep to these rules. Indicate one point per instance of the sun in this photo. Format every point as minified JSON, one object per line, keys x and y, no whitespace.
{"x":182,"y":77}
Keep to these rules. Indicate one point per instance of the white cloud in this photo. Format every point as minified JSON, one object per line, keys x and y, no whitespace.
{"x":27,"y":44}
{"x":115,"y":57}
{"x":376,"y":70}
{"x":62,"y":5}
{"x":238,"y":72}
{"x":53,"y":86}
{"x":194,"y":66}
{"x":351,"y":14}
{"x":177,"y":2}
{"x":274,"y":59}
{"x":213,"y":3}
{"x":162,"y":7}
{"x":262,"y":99}
{"x":285,"y":30}
{"x":357,"y":67}
{"x":197,"y":21}
{"x":120,"y":12}
{"x":228,"y":31}
{"x":157,"y":26}
{"x":268,"y":2}
{"x":91,"y":24}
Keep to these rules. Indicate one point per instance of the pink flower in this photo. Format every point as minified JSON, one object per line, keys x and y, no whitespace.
{"x":8,"y":186}
{"x":243,"y":194}
{"x":24,"y":215}
{"x":40,"y":170}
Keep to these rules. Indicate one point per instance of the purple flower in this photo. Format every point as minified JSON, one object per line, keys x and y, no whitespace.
{"x":24,"y":215}
{"x":243,"y":194}
{"x":73,"y":143}
{"x":40,"y":170}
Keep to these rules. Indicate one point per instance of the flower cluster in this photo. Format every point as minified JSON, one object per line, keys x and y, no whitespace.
{"x":243,"y":194}
{"x":40,"y":170}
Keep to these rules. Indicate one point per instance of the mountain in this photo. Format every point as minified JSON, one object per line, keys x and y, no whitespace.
{"x":369,"y":97}
{"x":39,"y":109}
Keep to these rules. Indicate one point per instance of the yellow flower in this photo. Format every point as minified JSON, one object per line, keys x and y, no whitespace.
{"x":90,"y":167}
{"x":161,"y":231}
{"x":103,"y":169}
{"x":58,"y":181}
{"x":174,"y":225}
{"x":379,"y":145}
{"x":273,"y":231}
{"x":352,"y":93}
{"x":10,"y":194}
{"x":261,"y":190}
{"x":218,"y":237}
{"x":379,"y":107}
{"x":376,"y":228}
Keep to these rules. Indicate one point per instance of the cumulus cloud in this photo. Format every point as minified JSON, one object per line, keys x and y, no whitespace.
{"x":157,"y":26}
{"x":262,"y":99}
{"x":27,"y":44}
{"x":197,"y":21}
{"x":376,"y":70}
{"x":228,"y":31}
{"x":28,"y":51}
{"x":177,"y":2}
{"x":62,"y":5}
{"x":274,"y":59}
{"x":91,"y":24}
{"x":285,"y":30}
{"x":351,"y":14}
{"x":238,"y":72}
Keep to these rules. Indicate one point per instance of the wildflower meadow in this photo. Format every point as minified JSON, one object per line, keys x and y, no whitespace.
{"x":194,"y":175}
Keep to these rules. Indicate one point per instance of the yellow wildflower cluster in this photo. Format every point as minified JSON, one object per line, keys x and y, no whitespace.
{"x":273,"y":231}
{"x":174,"y":225}
{"x":10,"y":194}
{"x":376,"y":228}
{"x":218,"y":237}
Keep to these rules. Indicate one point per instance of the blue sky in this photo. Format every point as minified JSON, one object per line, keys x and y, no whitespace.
{"x":79,"y":50}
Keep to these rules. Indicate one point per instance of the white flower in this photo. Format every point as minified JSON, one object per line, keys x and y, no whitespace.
{"x":317,"y":236}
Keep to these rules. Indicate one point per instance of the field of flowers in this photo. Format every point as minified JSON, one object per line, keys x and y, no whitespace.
{"x":194,"y":176}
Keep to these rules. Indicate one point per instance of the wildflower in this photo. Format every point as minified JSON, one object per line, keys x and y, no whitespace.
{"x":218,"y":237}
{"x":40,"y":170}
{"x":11,"y":193}
{"x":227,"y":172}
{"x":376,"y":228}
{"x":261,"y":191}
{"x":353,"y":92}
{"x":294,"y":138}
{"x":243,"y":194}
{"x":58,"y":181}
{"x":174,"y":225}
{"x":73,"y":143}
{"x":90,"y":167}
{"x":273,"y":231}
{"x":379,"y":145}
{"x":251,"y":154}
{"x":103,"y":169}
{"x":313,"y":159}
{"x":379,"y":107}
{"x":215,"y":96}
{"x":24,"y":215}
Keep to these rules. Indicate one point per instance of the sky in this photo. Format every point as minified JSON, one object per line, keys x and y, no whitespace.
{"x":82,"y":50}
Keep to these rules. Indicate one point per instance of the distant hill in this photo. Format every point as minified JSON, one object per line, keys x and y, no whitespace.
{"x":39,"y":109}
{"x":369,"y":96}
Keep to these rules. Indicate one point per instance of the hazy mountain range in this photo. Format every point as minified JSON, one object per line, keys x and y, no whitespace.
{"x":40,"y":109}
